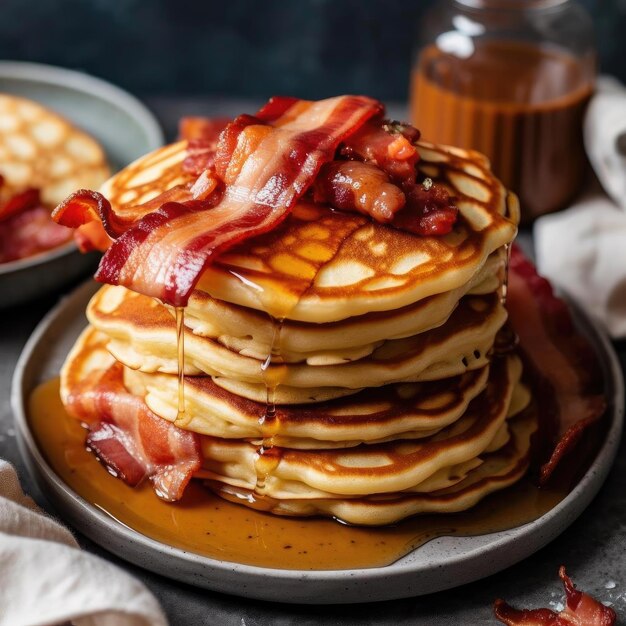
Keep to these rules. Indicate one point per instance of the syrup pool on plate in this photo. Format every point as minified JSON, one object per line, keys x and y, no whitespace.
{"x":205,"y":524}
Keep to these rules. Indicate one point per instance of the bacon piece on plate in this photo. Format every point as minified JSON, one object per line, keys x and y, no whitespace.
{"x":580,"y":610}
{"x":564,"y":363}
{"x":30,"y":232}
{"x":22,"y":201}
{"x":131,"y":440}
{"x":164,"y":253}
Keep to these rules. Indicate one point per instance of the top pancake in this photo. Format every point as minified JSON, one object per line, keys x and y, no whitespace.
{"x":40,"y":149}
{"x":322,"y":266}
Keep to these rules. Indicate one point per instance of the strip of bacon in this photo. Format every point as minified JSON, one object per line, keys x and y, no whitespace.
{"x":129,"y":439}
{"x":568,"y":377}
{"x":164,"y":253}
{"x":580,"y":610}
{"x":202,"y":135}
{"x":206,"y":128}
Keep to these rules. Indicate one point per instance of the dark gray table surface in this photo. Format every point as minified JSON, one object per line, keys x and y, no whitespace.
{"x":593,"y":548}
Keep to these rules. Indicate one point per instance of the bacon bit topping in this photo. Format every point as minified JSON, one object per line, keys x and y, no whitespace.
{"x":163,"y":253}
{"x":430,"y":210}
{"x":580,"y":610}
{"x":388,"y":145}
{"x":358,"y":186}
{"x":129,"y":439}
{"x":562,"y":361}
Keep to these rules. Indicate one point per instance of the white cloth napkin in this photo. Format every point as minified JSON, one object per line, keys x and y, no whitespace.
{"x":583,"y":249}
{"x":46,"y":579}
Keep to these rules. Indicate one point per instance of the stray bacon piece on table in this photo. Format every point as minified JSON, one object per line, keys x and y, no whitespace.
{"x":580,"y":610}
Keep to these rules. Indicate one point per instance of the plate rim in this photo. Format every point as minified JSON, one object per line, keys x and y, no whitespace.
{"x":89,"y":84}
{"x":570,"y":507}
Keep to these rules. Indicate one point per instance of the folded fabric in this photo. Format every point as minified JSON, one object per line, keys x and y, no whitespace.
{"x":46,"y":579}
{"x":583,"y":249}
{"x":605,"y":137}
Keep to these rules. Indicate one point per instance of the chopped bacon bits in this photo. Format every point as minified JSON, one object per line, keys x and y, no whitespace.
{"x":357,"y":186}
{"x":580,"y":610}
{"x":430,"y":210}
{"x":385,"y":144}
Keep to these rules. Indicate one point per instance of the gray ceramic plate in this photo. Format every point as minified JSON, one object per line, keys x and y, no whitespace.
{"x":440,"y":564}
{"x":123,"y":126}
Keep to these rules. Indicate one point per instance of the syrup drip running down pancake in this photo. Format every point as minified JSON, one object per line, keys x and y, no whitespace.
{"x":333,"y":364}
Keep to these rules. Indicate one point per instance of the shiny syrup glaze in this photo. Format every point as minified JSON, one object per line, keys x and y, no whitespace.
{"x":205,"y":524}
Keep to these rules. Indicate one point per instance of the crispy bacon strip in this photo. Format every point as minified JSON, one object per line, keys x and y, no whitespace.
{"x":164,"y":253}
{"x":202,"y":135}
{"x":580,"y":610}
{"x":567,"y":373}
{"x":129,"y":439}
{"x":358,"y":186}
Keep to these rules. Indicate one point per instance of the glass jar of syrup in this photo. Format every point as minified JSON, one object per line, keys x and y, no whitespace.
{"x":511,"y":79}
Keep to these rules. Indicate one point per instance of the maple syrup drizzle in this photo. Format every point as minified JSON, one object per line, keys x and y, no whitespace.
{"x":205,"y":524}
{"x":504,"y":288}
{"x":273,"y":370}
{"x":181,"y":418}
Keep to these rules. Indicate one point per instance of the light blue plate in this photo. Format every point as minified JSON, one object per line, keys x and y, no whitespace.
{"x":124,"y":127}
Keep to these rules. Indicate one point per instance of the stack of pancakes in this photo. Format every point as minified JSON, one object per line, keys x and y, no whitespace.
{"x":335,"y":366}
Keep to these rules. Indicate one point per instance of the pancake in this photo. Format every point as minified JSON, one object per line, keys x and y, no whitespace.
{"x":379,"y":468}
{"x":321,"y":266}
{"x":334,"y":365}
{"x":251,"y":332}
{"x":143,"y":337}
{"x":407,"y":410}
{"x":497,"y":471}
{"x":39,"y":149}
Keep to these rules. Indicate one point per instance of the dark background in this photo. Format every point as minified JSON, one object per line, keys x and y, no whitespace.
{"x":248,"y":48}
